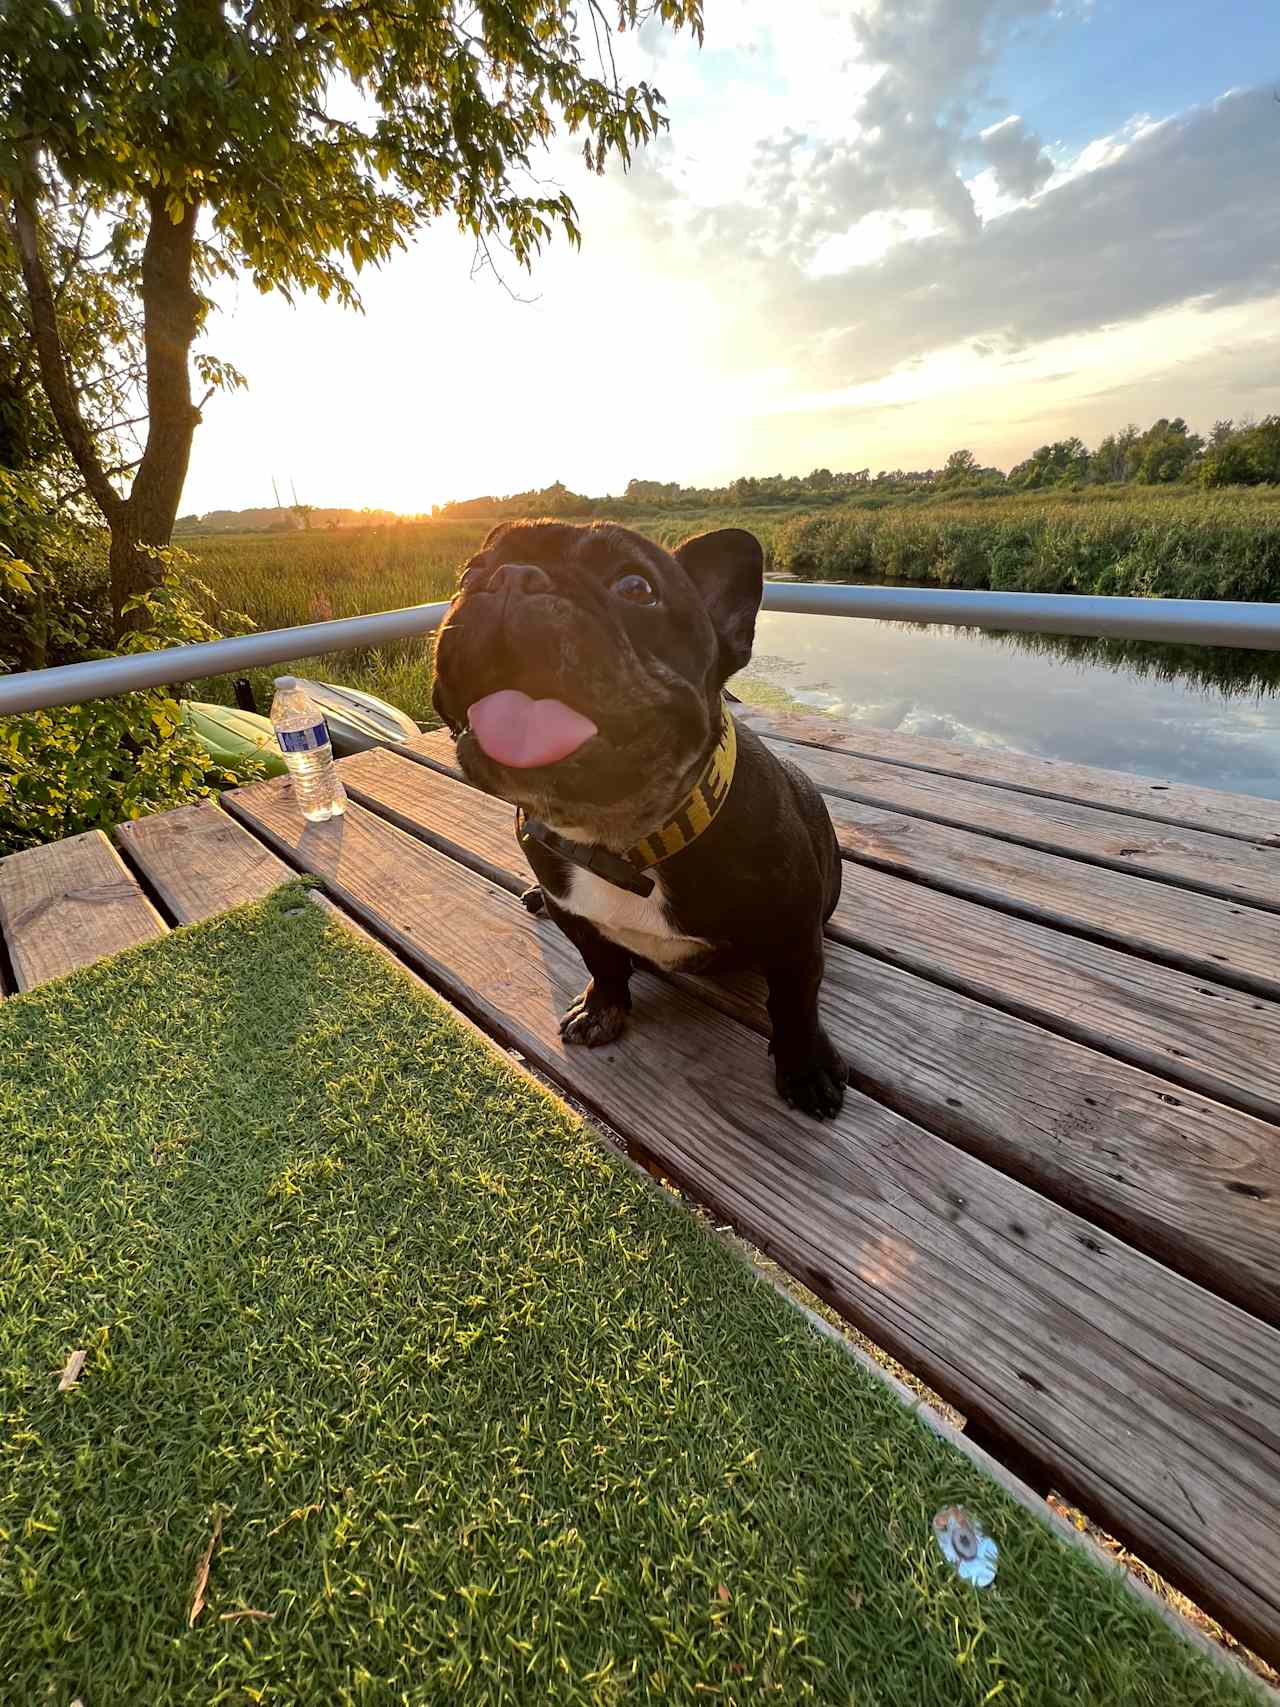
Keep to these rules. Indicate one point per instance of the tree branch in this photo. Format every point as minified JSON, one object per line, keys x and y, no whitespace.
{"x":119,"y":426}
{"x":597,"y":20}
{"x":74,"y":492}
{"x":128,"y":373}
{"x":344,"y":125}
{"x":52,"y":358}
{"x":482,"y":258}
{"x":75,"y":258}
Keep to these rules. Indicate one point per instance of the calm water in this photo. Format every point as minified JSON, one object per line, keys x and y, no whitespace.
{"x":1191,"y":714}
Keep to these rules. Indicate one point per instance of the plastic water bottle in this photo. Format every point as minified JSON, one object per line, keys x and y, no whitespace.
{"x":308,"y":752}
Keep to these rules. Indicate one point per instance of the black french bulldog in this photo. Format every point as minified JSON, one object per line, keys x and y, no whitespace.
{"x":581,"y":671}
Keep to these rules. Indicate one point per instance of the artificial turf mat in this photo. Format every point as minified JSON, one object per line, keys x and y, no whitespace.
{"x":478,"y":1415}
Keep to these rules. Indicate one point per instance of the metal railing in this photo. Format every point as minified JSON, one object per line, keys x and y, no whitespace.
{"x":1190,"y":622}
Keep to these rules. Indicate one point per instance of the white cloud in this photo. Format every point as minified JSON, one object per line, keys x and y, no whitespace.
{"x":1017,"y":158}
{"x":1182,"y":213}
{"x":989,"y":200}
{"x":836,"y":257}
{"x":870,"y":240}
{"x":1107,"y":150}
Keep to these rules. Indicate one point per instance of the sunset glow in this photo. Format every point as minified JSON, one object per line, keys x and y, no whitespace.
{"x":870,"y":236}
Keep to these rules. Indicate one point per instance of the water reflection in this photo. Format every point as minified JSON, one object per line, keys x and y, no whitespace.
{"x":1227,"y":670}
{"x":1208,"y":715}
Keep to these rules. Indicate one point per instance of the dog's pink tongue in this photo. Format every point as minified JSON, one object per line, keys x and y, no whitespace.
{"x":520,"y":732}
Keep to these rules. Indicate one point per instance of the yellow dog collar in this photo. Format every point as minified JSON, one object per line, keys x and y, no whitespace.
{"x":694,"y":814}
{"x":698,"y":811}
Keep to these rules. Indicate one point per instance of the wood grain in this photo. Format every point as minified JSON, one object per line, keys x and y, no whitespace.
{"x":1221,"y":1041}
{"x":200,"y":862}
{"x":67,"y":904}
{"x":1205,"y":934}
{"x":1219,"y":865}
{"x":1192,"y":1182}
{"x":436,"y":748}
{"x":1201,"y":932}
{"x":1153,"y":1402}
{"x":1181,"y":1174}
{"x":1156,"y":798}
{"x":441,"y":810}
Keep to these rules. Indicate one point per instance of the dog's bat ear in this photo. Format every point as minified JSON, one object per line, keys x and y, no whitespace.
{"x":727,"y":568}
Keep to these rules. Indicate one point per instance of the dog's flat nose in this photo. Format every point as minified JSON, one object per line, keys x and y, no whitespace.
{"x":519,"y":578}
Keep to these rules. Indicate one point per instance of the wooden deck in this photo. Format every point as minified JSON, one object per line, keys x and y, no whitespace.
{"x":1054,"y":1191}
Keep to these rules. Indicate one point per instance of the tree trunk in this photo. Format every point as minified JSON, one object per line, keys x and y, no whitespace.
{"x":132,"y":571}
{"x":171,"y":319}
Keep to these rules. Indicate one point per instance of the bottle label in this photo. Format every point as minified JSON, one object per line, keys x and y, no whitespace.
{"x":303,"y":740}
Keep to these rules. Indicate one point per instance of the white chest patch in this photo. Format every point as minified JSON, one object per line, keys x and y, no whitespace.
{"x":637,"y":922}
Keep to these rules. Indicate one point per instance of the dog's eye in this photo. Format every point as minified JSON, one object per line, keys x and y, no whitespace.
{"x":634,"y":589}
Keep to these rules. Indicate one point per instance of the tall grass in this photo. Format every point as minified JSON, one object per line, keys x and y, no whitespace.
{"x":1219,"y":545}
{"x":278,"y":580}
{"x":1154,"y":542}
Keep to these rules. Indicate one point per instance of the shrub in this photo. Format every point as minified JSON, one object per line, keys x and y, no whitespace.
{"x":55,"y":601}
{"x":86,"y":767}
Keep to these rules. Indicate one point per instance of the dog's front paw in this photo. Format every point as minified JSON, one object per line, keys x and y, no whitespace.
{"x":814,"y":1089}
{"x":815,"y":1086}
{"x":593,"y":1020}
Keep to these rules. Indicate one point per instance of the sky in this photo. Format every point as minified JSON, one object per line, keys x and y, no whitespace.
{"x":874,"y":233}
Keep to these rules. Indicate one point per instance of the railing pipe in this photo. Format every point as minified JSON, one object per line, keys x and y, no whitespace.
{"x":70,"y":684}
{"x":1190,"y":622}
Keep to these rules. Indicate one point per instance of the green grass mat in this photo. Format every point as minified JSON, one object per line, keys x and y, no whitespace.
{"x":482,"y":1416}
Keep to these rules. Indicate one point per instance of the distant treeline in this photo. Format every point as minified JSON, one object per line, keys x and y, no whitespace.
{"x":285,"y":518}
{"x":1168,"y":453}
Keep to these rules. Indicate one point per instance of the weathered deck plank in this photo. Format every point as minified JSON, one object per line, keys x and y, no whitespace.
{"x":1218,"y":865}
{"x":1205,"y":934}
{"x":1221,"y":815}
{"x":1219,"y":1040}
{"x":67,"y":904}
{"x":1186,"y":1177}
{"x":200,"y":862}
{"x":443,"y":811}
{"x":1249,"y":817}
{"x":1155,"y":1403}
{"x":1181,"y":1176}
{"x":435,"y":747}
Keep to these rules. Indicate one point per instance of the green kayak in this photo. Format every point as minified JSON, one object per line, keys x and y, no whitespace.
{"x":356,"y":720}
{"x":226,"y":733}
